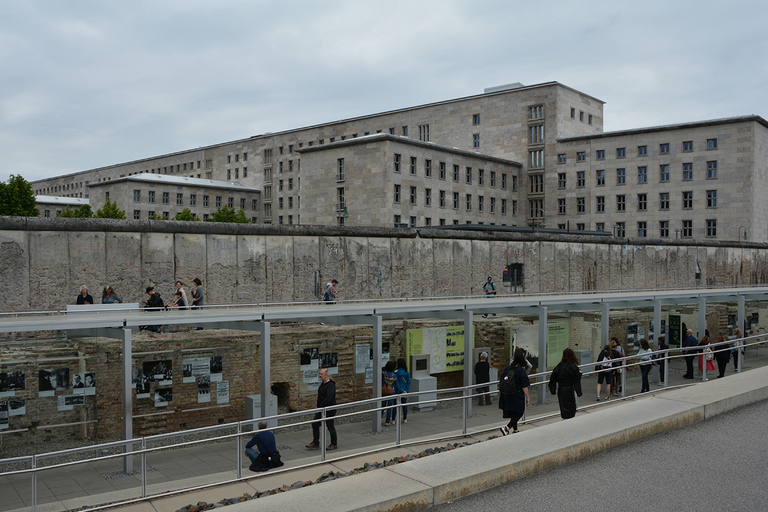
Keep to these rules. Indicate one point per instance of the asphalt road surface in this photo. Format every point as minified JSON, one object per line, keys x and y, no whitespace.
{"x":720,"y":464}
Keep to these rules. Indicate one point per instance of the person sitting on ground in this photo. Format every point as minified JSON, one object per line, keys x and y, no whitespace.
{"x":266,"y":456}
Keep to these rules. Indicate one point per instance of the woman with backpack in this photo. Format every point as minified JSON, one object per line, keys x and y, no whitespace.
{"x":388,"y":389}
{"x":568,"y":376}
{"x":402,"y":385}
{"x":513,"y":392}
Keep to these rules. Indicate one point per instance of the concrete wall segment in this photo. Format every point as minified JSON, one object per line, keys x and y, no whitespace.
{"x":14,"y":270}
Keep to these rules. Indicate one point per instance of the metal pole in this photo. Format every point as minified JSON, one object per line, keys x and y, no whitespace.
{"x":377,"y":333}
{"x":34,"y":484}
{"x":469,"y":346}
{"x":704,"y":364}
{"x":623,"y":379}
{"x":657,"y":326}
{"x":143,"y":468}
{"x":266,"y":370}
{"x":605,"y":309}
{"x":466,"y":407}
{"x":322,"y":434}
{"x":239,"y":457}
{"x":398,"y":431}
{"x":543,"y":334}
{"x":702,"y":316}
{"x":127,"y":399}
{"x":666,"y":368}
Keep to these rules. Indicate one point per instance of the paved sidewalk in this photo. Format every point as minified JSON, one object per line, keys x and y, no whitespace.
{"x":103,"y":482}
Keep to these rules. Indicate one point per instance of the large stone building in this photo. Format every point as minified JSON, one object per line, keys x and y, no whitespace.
{"x":514,"y":156}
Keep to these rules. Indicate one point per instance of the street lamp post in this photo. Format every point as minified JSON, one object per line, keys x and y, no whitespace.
{"x":745,"y":232}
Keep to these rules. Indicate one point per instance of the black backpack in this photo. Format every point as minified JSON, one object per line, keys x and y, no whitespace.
{"x":508,"y":381}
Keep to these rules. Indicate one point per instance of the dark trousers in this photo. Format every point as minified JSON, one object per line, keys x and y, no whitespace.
{"x":645,"y":370}
{"x":722,"y":364}
{"x":512,"y":425}
{"x":484,"y":399}
{"x":328,"y":423}
{"x":661,"y":370}
{"x":689,"y":366}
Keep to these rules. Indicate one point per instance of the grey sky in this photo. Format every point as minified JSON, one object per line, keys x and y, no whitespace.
{"x":92,"y":83}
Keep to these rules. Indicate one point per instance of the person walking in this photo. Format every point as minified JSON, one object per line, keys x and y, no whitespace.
{"x":483,"y":376}
{"x":738,"y":344}
{"x":388,"y":389}
{"x":198,"y":294}
{"x":513,"y":396}
{"x":402,"y":386}
{"x":605,"y":369}
{"x":330,"y":292}
{"x":645,"y":356}
{"x":490,"y":292}
{"x":661,"y":358}
{"x":688,"y":344}
{"x":722,"y":356}
{"x":180,"y":288}
{"x":326,"y":396}
{"x":617,"y":352}
{"x":565,"y":381}
{"x":108,"y":296}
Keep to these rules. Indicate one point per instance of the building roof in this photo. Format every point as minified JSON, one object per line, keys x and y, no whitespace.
{"x":163,"y":179}
{"x":72,"y":201}
{"x":382,"y":137}
{"x":668,"y":127}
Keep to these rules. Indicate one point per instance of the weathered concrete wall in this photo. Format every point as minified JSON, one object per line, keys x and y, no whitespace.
{"x":43,"y":262}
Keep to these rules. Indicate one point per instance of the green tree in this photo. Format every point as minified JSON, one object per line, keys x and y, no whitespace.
{"x":110,"y":211}
{"x":157,"y":216}
{"x":225,"y":214}
{"x":185,"y":214}
{"x":17,"y":198}
{"x":84,"y":212}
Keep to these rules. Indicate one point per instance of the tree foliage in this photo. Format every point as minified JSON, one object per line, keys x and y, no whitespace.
{"x":17,"y":198}
{"x":84,"y":212}
{"x":225,"y":214}
{"x":185,"y":214}
{"x":110,"y":211}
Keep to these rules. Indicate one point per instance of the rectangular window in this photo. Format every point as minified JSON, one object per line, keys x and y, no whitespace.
{"x":712,"y":169}
{"x":442,"y":199}
{"x":664,"y":148}
{"x":493,"y":205}
{"x":664,"y":228}
{"x":493,"y":179}
{"x":456,"y":173}
{"x":536,"y":184}
{"x":229,"y":174}
{"x":475,"y":119}
{"x":536,"y":158}
{"x":480,"y":203}
{"x":290,"y":183}
{"x":205,"y":201}
{"x":581,"y":205}
{"x":503,"y":206}
{"x":536,"y":134}
{"x":621,"y":203}
{"x":166,"y":197}
{"x":664,"y":201}
{"x":230,"y":202}
{"x":280,"y":203}
{"x":245,"y":172}
{"x":600,"y":226}
{"x":642,"y":229}
{"x":151,"y":213}
{"x":480,"y":177}
{"x":475,"y":140}
{"x":428,"y":168}
{"x":561,"y":180}
{"x":218,"y":201}
{"x":561,"y":158}
{"x":561,"y":206}
{"x":687,"y":200}
{"x":642,"y":150}
{"x":136,"y":214}
{"x":413,"y":195}
{"x":441,"y":174}
{"x":504,"y":182}
{"x":711,"y":143}
{"x":428,"y":197}
{"x":581,"y":179}
{"x":687,"y":146}
{"x":600,"y":177}
{"x":620,"y":231}
{"x":398,"y":219}
{"x":600,"y":154}
{"x":621,"y":176}
{"x":600,"y":203}
{"x":455,"y":200}
{"x":642,"y":202}
{"x":179,"y":199}
{"x":340,"y":169}
{"x":536,"y":208}
{"x":664,"y":173}
{"x":192,"y":199}
{"x":711,"y":198}
{"x":711,"y":228}
{"x":405,"y":131}
{"x":469,"y":175}
{"x":642,"y":174}
{"x":573,"y":113}
{"x":397,"y":162}
{"x":254,"y":204}
{"x":242,"y":203}
{"x":280,"y":185}
{"x":137,"y":196}
{"x":469,"y":202}
{"x":687,"y":229}
{"x":290,"y":165}
{"x":397,"y":193}
{"x":581,"y":156}
{"x":537,"y":112}
{"x":413,"y":165}
{"x":621,"y":152}
{"x":687,"y":171}
{"x":424,"y":132}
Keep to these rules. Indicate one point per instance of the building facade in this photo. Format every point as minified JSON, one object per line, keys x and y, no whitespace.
{"x":546,"y":141}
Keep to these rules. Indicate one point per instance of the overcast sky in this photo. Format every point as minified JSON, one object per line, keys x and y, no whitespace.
{"x":87,"y":84}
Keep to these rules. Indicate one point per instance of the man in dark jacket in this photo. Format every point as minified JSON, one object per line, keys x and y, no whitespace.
{"x":690,"y":341}
{"x":482,"y":376}
{"x":326,"y":396}
{"x":154,"y":302}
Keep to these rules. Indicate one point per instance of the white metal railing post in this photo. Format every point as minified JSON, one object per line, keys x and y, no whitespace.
{"x":143,"y":467}
{"x":624,"y":378}
{"x":398,"y":428}
{"x":239,"y":457}
{"x":666,"y":368}
{"x":466,"y":408}
{"x":34,"y":483}
{"x":704,"y":362}
{"x":740,"y":355}
{"x":322,"y":433}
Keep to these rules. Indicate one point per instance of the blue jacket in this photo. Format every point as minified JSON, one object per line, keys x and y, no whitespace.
{"x":402,"y":381}
{"x":263,"y":441}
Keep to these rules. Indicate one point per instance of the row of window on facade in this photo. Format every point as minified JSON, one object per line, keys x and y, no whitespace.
{"x":642,"y":175}
{"x":166,"y":199}
{"x":642,"y":202}
{"x":581,"y":115}
{"x":664,"y":231}
{"x":469,"y":175}
{"x":62,"y":188}
{"x":167,"y":215}
{"x":688,"y":147}
{"x":442,"y":200}
{"x":428,"y":222}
